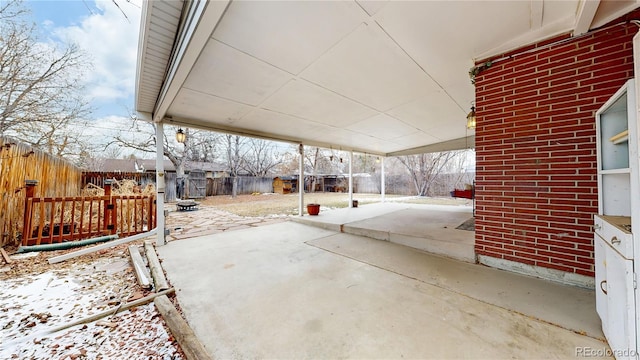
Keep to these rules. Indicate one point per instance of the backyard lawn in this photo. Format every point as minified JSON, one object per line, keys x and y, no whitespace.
{"x":277,"y":204}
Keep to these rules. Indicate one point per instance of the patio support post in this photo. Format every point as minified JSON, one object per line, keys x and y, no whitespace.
{"x":351,"y":179}
{"x":301,"y":181}
{"x":160,"y":240}
{"x":382,"y":184}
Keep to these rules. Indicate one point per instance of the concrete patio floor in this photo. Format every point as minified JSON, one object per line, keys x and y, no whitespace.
{"x":290,"y":290}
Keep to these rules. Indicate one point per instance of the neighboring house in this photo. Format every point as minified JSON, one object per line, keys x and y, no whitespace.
{"x":133,"y":165}
{"x":327,"y":183}
{"x":143,"y":171}
{"x":211,"y":170}
{"x":320,"y":182}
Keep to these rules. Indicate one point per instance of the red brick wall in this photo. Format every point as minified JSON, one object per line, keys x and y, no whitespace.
{"x":536,"y":186}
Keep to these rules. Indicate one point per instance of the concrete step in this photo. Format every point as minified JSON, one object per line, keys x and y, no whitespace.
{"x":319,"y":224}
{"x":457,"y":249}
{"x":433,"y":229}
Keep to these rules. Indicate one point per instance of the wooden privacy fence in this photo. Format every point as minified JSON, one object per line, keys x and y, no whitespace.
{"x":197,"y":185}
{"x":19,"y":162}
{"x":50,"y":220}
{"x":97,"y":178}
{"x":246,"y":185}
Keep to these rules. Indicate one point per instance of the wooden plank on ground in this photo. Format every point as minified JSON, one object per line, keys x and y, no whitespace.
{"x":189,"y":343}
{"x":144,"y":279}
{"x":112,"y":311}
{"x":156,"y":270}
{"x":5,"y":256}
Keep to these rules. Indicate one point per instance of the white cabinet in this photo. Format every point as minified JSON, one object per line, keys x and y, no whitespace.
{"x":614,"y":170}
{"x":616,"y":231}
{"x":614,"y":274}
{"x":618,"y":216}
{"x":621,"y":307}
{"x":600,"y":249}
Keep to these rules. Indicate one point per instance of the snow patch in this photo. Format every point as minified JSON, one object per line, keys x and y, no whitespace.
{"x":33,"y":304}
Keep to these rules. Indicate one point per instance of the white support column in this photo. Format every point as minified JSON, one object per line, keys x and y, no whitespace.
{"x":160,"y":184}
{"x":351,"y":179}
{"x":382,"y":183}
{"x":301,"y":181}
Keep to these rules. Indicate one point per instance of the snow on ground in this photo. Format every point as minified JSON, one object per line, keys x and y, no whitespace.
{"x":32,"y":304}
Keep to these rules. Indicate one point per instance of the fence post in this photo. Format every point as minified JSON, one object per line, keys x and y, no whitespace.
{"x":30,"y":186}
{"x":109,"y":206}
{"x":151,"y":223}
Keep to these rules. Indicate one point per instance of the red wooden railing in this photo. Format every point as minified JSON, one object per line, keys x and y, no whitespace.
{"x":61,"y":219}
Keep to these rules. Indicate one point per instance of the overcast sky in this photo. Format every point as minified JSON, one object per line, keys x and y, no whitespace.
{"x":110,"y":39}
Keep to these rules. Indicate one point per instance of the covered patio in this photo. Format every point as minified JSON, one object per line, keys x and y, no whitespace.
{"x":290,"y":290}
{"x":392,"y":78}
{"x":519,"y":81}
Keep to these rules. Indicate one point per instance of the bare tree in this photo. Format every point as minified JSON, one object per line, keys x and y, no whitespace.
{"x":61,"y":136}
{"x":317,"y":161}
{"x":198,"y":145}
{"x":89,"y":163}
{"x":145,"y":141}
{"x":365,"y":163}
{"x":457,"y":174}
{"x":203,"y":146}
{"x":9,"y":11}
{"x":235,"y":158}
{"x":88,"y":160}
{"x":424,"y":168}
{"x":260,"y":158}
{"x":40,"y":86}
{"x":289,"y":164}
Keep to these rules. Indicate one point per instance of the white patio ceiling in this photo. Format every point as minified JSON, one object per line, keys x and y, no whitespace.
{"x":381,"y":77}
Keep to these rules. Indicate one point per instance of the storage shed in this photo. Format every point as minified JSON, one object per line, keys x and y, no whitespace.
{"x":328,"y":183}
{"x":285,"y":184}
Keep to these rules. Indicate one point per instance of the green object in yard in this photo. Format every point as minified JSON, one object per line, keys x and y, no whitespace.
{"x":66,"y":245}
